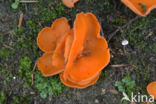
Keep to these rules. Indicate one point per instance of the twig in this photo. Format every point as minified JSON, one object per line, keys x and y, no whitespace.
{"x":20,"y":20}
{"x":124,"y":49}
{"x":28,"y":1}
{"x":32,"y":75}
{"x":150,"y":34}
{"x":6,"y":46}
{"x":119,"y":65}
{"x":152,"y":59}
{"x":122,"y":27}
{"x":102,"y":33}
{"x":101,"y":30}
{"x":40,"y":24}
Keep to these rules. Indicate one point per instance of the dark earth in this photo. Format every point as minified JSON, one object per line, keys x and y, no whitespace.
{"x":131,"y":68}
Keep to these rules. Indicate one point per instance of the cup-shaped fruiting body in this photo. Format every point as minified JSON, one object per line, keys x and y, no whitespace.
{"x":151,"y":89}
{"x":69,"y":3}
{"x":140,"y":7}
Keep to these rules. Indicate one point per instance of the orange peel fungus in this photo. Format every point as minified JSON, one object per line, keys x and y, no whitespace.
{"x":151,"y":89}
{"x":78,"y":54}
{"x":69,"y":3}
{"x":140,"y":7}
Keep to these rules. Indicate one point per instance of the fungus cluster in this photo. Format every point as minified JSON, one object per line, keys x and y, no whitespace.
{"x":140,"y":7}
{"x":78,"y":54}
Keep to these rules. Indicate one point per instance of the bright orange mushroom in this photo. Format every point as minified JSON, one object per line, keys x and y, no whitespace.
{"x":151,"y":89}
{"x":89,"y":53}
{"x":79,"y":54}
{"x":52,"y":40}
{"x":69,"y":3}
{"x":140,"y":7}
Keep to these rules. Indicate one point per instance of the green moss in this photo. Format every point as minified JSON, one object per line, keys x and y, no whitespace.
{"x":119,"y":21}
{"x":16,"y":100}
{"x":48,"y":12}
{"x":21,"y":100}
{"x":26,"y":85}
{"x":106,"y":3}
{"x":5,"y":52}
{"x":24,"y":69}
{"x":2,"y":97}
{"x":33,"y":27}
{"x":5,"y":84}
{"x":3,"y":70}
{"x":48,"y":86}
{"x":142,"y":71}
{"x":1,"y":39}
{"x":137,"y":32}
{"x":19,"y":31}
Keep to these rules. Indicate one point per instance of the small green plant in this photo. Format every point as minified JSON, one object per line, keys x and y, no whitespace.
{"x":2,"y":97}
{"x":143,"y":6}
{"x":16,"y":100}
{"x":106,"y":3}
{"x":15,"y":4}
{"x":48,"y":86}
{"x":126,"y":85}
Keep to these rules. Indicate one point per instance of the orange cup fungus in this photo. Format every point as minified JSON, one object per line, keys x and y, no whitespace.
{"x":78,"y":54}
{"x":69,"y":3}
{"x":140,"y":7}
{"x":151,"y":89}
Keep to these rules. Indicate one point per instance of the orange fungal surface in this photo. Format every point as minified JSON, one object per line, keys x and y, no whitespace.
{"x":140,"y":7}
{"x":151,"y":89}
{"x":69,"y":3}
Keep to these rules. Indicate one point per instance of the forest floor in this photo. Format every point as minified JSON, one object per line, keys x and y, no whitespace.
{"x":131,"y":68}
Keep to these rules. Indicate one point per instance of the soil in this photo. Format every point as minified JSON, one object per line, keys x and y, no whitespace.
{"x":137,"y":59}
